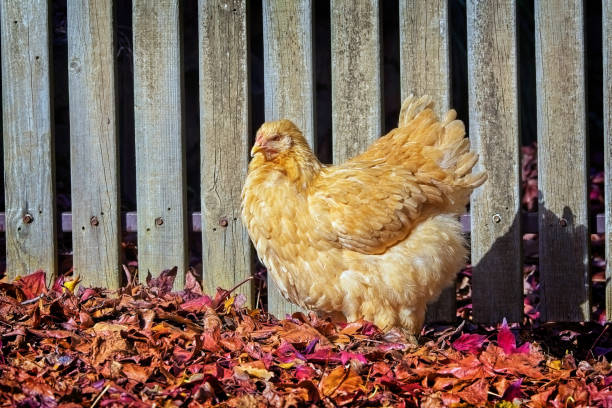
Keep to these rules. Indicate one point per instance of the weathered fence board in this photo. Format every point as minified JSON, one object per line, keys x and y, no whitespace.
{"x":288,"y":83}
{"x":224,"y":131}
{"x":93,"y":143}
{"x":424,"y":50}
{"x":160,"y":150}
{"x":28,"y":138}
{"x":562,"y":175}
{"x":425,"y":69}
{"x":607,"y":122}
{"x":497,"y":284}
{"x":356,"y":76}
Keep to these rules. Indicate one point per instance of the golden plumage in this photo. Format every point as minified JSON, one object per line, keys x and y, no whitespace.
{"x":376,"y":237}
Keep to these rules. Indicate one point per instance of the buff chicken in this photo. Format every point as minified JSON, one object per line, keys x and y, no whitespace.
{"x":377,"y":237}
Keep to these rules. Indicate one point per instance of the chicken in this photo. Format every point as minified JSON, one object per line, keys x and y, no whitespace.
{"x":377,"y":237}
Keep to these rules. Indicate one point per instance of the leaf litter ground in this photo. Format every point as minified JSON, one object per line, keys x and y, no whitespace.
{"x":145,"y":346}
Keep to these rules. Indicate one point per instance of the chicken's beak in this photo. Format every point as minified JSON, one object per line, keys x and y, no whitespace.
{"x":256,"y":148}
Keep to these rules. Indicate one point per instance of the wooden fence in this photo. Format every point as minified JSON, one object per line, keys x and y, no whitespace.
{"x":163,"y":221}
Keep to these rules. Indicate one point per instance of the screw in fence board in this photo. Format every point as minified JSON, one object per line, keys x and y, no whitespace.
{"x":160,"y":147}
{"x":288,"y":84}
{"x":356,"y":76}
{"x":497,"y":284}
{"x":28,"y":138}
{"x":607,"y":102}
{"x":93,"y":143}
{"x":562,"y":170}
{"x":425,"y":69}
{"x":224,"y":132}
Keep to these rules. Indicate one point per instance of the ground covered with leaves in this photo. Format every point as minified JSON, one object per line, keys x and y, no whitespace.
{"x":147,"y":346}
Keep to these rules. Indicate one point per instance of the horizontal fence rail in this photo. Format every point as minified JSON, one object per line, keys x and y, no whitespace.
{"x":162,"y":222}
{"x":129,"y":223}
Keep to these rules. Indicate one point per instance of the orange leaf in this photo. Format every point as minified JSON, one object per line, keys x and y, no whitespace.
{"x":341,"y":381}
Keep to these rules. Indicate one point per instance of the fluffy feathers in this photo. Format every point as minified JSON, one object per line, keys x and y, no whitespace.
{"x":376,"y":237}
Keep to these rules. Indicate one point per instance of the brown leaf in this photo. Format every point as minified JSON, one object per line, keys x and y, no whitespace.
{"x":107,"y":342}
{"x":136,"y":372}
{"x":301,"y":334}
{"x":476,"y":393}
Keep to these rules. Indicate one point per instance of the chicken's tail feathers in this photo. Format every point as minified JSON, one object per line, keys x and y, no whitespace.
{"x":411,"y":107}
{"x":443,"y":140}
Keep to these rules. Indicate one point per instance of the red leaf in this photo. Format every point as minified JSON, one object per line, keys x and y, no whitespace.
{"x":513,"y":391}
{"x":305,"y":372}
{"x":164,"y":281}
{"x":197,"y":305}
{"x":346,"y":356}
{"x":506,"y":340}
{"x":286,"y":353}
{"x":33,"y":284}
{"x":469,"y":342}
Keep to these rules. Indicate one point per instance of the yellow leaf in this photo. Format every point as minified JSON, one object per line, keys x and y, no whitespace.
{"x":255,"y":372}
{"x":228,"y":303}
{"x":555,"y":364}
{"x":286,"y":365}
{"x":70,"y":285}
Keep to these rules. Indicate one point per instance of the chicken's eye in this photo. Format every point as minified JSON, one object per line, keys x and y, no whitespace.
{"x":275,"y":138}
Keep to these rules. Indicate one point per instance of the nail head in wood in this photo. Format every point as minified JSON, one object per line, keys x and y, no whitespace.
{"x":27,"y":218}
{"x":159,"y":221}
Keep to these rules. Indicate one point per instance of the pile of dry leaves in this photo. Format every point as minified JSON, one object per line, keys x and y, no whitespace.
{"x":146,"y":346}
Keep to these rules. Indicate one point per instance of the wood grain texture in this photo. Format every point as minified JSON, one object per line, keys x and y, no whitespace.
{"x":424,"y":50}
{"x":497,"y":285}
{"x":356,"y":76}
{"x":288,"y":83}
{"x":562,"y":175}
{"x":607,"y":104}
{"x":425,"y":70}
{"x":93,"y":143}
{"x":28,"y":138}
{"x":224,"y":146}
{"x":160,"y":148}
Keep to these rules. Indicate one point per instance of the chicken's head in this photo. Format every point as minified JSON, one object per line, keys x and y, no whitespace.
{"x":277,"y":138}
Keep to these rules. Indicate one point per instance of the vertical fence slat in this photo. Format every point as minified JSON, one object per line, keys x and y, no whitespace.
{"x":607,"y":119}
{"x":160,"y":149}
{"x":288,"y":83}
{"x":28,"y":138}
{"x":224,"y":132}
{"x":356,"y":76}
{"x":562,"y":176}
{"x":497,"y":284}
{"x":424,"y":50}
{"x":93,"y":143}
{"x":425,"y":69}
